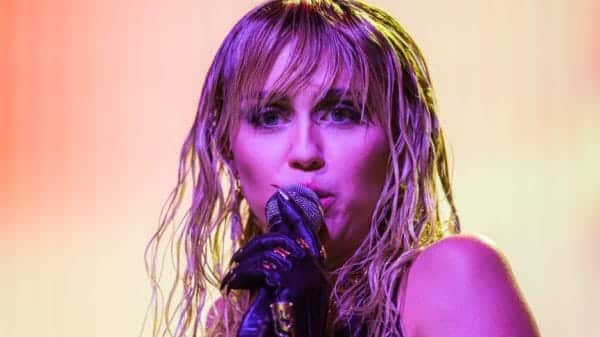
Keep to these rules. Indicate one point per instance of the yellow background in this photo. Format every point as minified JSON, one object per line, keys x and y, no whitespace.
{"x":96,"y":97}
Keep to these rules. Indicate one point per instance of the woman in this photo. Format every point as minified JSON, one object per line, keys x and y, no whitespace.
{"x":334,"y":96}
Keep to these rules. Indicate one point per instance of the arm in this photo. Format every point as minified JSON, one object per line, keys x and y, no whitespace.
{"x":462,"y":286}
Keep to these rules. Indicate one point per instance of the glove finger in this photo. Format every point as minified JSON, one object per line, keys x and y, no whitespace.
{"x":293,"y":215}
{"x":269,"y":241}
{"x":279,"y":257}
{"x":251,"y":279}
{"x":248,"y":271}
{"x":257,"y":271}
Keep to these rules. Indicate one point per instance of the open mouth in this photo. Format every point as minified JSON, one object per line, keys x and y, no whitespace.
{"x":326,"y":202}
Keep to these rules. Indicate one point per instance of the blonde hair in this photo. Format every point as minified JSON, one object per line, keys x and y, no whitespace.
{"x":390,"y":82}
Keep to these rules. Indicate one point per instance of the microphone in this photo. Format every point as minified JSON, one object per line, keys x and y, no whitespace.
{"x":306,"y":203}
{"x":305,"y":198}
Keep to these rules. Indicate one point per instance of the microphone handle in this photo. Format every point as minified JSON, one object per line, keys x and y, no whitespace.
{"x":257,"y":322}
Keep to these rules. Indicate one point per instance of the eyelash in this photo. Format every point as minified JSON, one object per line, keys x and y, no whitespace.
{"x":256,"y":116}
{"x":352,"y":114}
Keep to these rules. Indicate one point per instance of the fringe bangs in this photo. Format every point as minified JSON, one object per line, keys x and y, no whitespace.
{"x":311,"y":37}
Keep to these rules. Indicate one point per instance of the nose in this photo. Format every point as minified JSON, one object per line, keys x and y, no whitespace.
{"x":306,"y":151}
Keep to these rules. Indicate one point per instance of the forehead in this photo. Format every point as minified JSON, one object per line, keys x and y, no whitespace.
{"x":321,"y":78}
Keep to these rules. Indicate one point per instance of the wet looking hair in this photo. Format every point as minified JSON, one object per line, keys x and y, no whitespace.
{"x":389,"y":83}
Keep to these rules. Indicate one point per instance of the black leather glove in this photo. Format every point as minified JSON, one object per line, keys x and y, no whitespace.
{"x":285,"y":264}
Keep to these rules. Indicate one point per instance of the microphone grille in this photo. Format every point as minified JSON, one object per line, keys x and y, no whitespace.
{"x":305,"y":198}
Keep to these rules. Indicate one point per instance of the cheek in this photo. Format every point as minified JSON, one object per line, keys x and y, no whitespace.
{"x":255,"y":164}
{"x":362,"y":173}
{"x":369,"y":167}
{"x":370,"y":177}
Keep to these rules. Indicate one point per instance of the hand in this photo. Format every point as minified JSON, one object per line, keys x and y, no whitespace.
{"x":285,"y":265}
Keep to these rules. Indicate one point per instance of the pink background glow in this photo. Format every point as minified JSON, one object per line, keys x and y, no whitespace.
{"x":96,"y":98}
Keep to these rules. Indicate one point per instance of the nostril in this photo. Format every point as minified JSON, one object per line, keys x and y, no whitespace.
{"x":307,"y":165}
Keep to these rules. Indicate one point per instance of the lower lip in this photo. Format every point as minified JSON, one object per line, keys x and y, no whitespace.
{"x":326,"y":202}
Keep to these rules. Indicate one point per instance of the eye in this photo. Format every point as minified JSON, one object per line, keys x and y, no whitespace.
{"x":266,"y":117}
{"x":344,"y":113}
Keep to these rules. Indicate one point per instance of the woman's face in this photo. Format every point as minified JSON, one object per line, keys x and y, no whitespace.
{"x":297,"y":139}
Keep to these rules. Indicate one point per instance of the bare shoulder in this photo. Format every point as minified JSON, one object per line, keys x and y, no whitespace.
{"x":463,"y":251}
{"x":466,"y":283}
